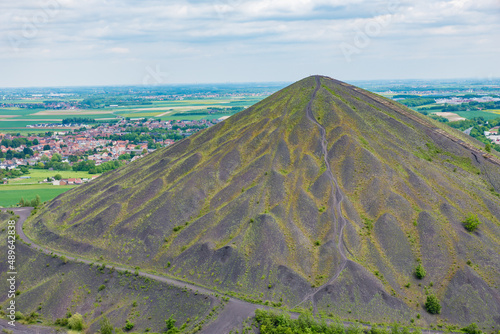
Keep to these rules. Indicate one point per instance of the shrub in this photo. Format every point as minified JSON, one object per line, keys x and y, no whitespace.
{"x":170,"y":322}
{"x":471,"y":223}
{"x":472,"y":329}
{"x":31,"y":318}
{"x":101,"y":287}
{"x":487,"y":147}
{"x":106,"y":327}
{"x":432,"y":305}
{"x":76,"y":322}
{"x":378,"y":330}
{"x":62,"y":322}
{"x":420,"y":271}
{"x":129,"y":325}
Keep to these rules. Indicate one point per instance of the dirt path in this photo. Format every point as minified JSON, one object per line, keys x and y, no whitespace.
{"x":231,"y":316}
{"x":337,"y":197}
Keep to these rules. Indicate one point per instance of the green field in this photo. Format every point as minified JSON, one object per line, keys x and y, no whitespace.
{"x":24,"y":117}
{"x":42,"y":174}
{"x":11,"y":194}
{"x":477,"y":113}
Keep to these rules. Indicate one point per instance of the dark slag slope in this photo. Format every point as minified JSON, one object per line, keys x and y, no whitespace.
{"x":321,"y":195}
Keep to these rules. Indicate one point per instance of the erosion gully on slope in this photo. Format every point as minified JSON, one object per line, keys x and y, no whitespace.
{"x":336,"y":205}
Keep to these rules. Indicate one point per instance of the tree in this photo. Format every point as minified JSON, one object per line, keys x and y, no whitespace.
{"x":28,"y":151}
{"x":35,"y":141}
{"x":73,"y":158}
{"x":36,"y":201}
{"x":106,"y":326}
{"x":58,"y":177}
{"x":471,"y":223}
{"x":56,"y":158}
{"x":46,"y":147}
{"x":420,"y":271}
{"x":432,"y":305}
{"x":487,"y":147}
{"x":76,"y":322}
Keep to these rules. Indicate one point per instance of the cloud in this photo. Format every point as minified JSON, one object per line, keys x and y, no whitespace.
{"x":252,"y":33}
{"x":119,"y":50}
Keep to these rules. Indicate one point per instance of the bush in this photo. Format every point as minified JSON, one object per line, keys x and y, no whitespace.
{"x":102,"y":287}
{"x":471,"y":223}
{"x":62,"y":322}
{"x":170,"y":322}
{"x":420,"y":271}
{"x":432,"y":305}
{"x":129,"y":325}
{"x":378,"y":330}
{"x":106,"y":327}
{"x":472,"y":329}
{"x":76,"y":322}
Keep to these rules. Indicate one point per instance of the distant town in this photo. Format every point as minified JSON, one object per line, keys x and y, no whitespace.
{"x":88,"y":146}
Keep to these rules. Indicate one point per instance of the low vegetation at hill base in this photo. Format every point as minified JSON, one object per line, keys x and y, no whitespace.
{"x":269,"y":322}
{"x":253,"y":207}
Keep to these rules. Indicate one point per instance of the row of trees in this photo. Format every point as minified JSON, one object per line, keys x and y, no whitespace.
{"x":9,"y":155}
{"x":416,"y":102}
{"x":273,"y":323}
{"x":17,"y":142}
{"x":33,"y":203}
{"x":78,"y":120}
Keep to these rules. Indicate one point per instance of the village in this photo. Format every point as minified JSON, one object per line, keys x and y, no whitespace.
{"x":99,"y":143}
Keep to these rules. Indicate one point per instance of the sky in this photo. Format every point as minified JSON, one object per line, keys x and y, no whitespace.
{"x":153,"y":42}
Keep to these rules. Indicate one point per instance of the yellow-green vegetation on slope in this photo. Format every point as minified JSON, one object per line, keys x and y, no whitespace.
{"x":51,"y":288}
{"x":249,"y":207}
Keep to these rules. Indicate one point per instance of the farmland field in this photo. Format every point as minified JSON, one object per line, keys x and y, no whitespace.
{"x":11,"y":194}
{"x":37,"y":175}
{"x":16,"y":119}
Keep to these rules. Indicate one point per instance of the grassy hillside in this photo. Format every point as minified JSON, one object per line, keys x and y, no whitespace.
{"x":252,"y":207}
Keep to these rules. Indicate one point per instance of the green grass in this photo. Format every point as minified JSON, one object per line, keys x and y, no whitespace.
{"x":17,"y":124}
{"x":11,"y":194}
{"x":477,"y":113}
{"x":42,"y":174}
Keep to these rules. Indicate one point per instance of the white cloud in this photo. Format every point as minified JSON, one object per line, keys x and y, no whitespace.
{"x":250,"y":33}
{"x":119,"y":50}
